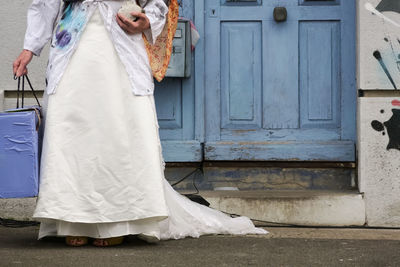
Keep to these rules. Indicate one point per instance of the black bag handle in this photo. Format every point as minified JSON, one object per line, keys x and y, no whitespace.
{"x":23,"y":89}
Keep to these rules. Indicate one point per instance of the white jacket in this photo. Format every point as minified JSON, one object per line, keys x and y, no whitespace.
{"x":47,"y":21}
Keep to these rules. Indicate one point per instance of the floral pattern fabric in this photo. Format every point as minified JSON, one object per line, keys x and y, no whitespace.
{"x":160,"y":53}
{"x":71,"y":23}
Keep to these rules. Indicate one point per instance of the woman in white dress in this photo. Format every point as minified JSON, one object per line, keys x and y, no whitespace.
{"x":102,"y":168}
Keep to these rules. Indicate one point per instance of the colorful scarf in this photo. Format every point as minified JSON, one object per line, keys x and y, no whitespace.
{"x":160,"y":53}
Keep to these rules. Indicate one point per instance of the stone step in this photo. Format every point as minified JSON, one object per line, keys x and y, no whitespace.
{"x":305,"y":207}
{"x":297,"y":207}
{"x":20,"y":209}
{"x":283,"y":176}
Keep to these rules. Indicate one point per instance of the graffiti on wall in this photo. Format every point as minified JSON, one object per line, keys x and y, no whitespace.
{"x":380,"y":42}
{"x":391,"y":126}
{"x":389,"y":5}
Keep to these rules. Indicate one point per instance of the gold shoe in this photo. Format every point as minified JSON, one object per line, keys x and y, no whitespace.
{"x":76,"y":241}
{"x":106,"y":242}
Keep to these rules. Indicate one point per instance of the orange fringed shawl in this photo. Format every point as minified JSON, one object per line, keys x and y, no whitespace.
{"x":160,"y":53}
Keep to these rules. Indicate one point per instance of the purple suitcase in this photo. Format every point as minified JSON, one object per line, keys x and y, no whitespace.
{"x":20,"y":140}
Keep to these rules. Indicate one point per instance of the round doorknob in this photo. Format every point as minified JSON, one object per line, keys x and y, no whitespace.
{"x":280,"y":14}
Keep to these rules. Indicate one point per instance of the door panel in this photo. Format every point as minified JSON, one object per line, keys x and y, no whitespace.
{"x":169,"y":105}
{"x":241,"y":79}
{"x":320,"y":74}
{"x":280,"y":62}
{"x":279,"y":91}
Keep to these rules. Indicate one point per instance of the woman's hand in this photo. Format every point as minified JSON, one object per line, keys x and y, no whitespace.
{"x":19,"y":65}
{"x":131,"y":27}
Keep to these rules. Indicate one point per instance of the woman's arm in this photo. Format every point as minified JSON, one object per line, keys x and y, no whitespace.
{"x":40,"y":24}
{"x":151,"y":23}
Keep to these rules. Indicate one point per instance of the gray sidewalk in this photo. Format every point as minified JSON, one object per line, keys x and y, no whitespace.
{"x":282,"y":247}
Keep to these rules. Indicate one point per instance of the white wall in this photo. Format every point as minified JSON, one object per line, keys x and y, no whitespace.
{"x":378,"y":33}
{"x":378,"y":112}
{"x":379,"y":159}
{"x":12,"y":29}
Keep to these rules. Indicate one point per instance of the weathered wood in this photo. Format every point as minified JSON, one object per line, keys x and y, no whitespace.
{"x":285,"y":150}
{"x":307,"y":92}
{"x":181,"y":151}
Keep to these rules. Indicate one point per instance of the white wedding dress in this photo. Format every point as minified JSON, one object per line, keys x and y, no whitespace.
{"x":102,"y":168}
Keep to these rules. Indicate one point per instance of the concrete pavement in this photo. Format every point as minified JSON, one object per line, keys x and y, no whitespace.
{"x":282,"y":247}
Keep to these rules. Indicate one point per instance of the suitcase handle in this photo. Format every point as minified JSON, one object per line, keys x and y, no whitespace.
{"x":23,"y":89}
{"x":37,"y":111}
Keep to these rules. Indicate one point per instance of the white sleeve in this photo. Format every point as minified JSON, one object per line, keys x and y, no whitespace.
{"x":40,"y":24}
{"x":156,"y":11}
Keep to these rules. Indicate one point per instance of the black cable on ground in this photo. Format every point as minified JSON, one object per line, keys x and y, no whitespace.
{"x":185,"y":177}
{"x":195,"y":196}
{"x":17,"y":224}
{"x":233,"y":215}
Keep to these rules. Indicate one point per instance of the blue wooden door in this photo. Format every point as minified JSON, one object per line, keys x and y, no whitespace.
{"x":280,"y":90}
{"x":179,"y":120}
